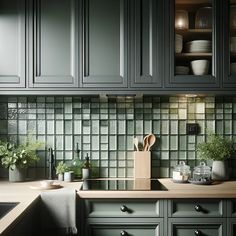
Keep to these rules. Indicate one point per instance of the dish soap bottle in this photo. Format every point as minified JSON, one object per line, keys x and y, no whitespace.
{"x":86,"y":168}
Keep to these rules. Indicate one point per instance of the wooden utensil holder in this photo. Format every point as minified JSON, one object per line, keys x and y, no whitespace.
{"x":142,"y":164}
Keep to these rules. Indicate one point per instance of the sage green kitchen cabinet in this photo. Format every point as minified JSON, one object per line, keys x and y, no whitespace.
{"x":53,"y":43}
{"x":105,"y":43}
{"x":13,"y":43}
{"x":125,"y":217}
{"x":146,"y":43}
{"x":196,"y":227}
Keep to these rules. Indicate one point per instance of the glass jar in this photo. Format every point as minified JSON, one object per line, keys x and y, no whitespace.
{"x":181,"y":20}
{"x":181,"y":173}
{"x":202,"y":173}
{"x":203,"y":18}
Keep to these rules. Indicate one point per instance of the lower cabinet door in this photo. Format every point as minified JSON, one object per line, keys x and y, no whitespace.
{"x":190,"y":227}
{"x":231,"y":227}
{"x":125,"y":230}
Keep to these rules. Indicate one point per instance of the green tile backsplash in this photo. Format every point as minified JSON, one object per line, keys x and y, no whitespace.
{"x":105,"y":128}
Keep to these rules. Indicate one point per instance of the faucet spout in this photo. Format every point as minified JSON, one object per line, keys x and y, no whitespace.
{"x":51,"y":161}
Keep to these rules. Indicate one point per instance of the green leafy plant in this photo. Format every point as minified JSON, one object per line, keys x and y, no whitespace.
{"x":61,"y":168}
{"x":217,"y":148}
{"x":20,"y":156}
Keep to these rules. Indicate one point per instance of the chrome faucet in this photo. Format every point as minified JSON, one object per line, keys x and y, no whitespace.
{"x":51,"y":161}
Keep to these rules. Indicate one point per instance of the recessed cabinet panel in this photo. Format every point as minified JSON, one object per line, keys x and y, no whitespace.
{"x":117,"y":230}
{"x":229,"y":11}
{"x":194,"y":46}
{"x":147,"y":34}
{"x":12,"y":43}
{"x":105,"y":43}
{"x":55,"y":46}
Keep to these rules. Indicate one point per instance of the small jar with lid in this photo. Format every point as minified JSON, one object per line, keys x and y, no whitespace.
{"x":202,"y":173}
{"x":181,"y":173}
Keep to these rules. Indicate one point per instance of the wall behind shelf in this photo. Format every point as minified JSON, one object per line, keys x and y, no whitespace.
{"x":105,"y":128}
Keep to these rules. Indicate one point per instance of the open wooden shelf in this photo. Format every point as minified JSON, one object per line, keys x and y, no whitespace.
{"x":193,"y":55}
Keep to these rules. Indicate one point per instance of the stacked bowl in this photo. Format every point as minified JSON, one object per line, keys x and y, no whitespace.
{"x":198,"y":46}
{"x":178,"y":43}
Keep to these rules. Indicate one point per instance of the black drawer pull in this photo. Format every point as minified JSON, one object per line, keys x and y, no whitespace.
{"x":123,"y":233}
{"x":124,"y":209}
{"x":197,"y":232}
{"x":198,"y":208}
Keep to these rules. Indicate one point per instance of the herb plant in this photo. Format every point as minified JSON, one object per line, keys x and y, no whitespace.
{"x":61,"y":168}
{"x":217,"y":148}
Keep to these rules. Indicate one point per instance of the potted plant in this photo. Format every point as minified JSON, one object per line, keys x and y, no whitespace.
{"x":61,"y":169}
{"x":18,"y":158}
{"x":218,"y":149}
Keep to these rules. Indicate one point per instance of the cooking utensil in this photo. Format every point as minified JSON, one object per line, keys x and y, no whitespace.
{"x":136,"y":144}
{"x":145,"y":143}
{"x":151,"y":139}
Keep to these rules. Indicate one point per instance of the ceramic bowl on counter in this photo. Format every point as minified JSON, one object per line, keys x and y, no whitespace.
{"x":200,"y":67}
{"x":181,"y":173}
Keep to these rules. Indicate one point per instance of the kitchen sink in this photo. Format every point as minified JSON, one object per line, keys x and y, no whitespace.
{"x":5,"y":207}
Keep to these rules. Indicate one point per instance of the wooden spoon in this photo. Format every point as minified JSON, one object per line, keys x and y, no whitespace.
{"x":151,"y":139}
{"x":136,"y":143}
{"x":145,"y":143}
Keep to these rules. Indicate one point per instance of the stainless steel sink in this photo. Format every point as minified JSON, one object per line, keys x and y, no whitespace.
{"x":5,"y":207}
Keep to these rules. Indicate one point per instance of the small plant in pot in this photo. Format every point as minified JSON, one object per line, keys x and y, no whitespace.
{"x":61,"y":169}
{"x":218,"y":149}
{"x":18,"y":158}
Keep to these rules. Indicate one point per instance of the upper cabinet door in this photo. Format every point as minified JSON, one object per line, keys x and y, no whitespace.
{"x":105,"y":43}
{"x":55,"y":44}
{"x":12,"y":43}
{"x":229,"y":10}
{"x":146,"y":43}
{"x":193,"y":44}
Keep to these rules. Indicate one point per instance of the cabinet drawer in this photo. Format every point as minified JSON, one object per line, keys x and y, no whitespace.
{"x":126,"y":208}
{"x":123,"y":230}
{"x":196,"y":208}
{"x":189,"y":227}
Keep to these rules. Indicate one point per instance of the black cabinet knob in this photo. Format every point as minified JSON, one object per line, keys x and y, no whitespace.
{"x":123,"y":233}
{"x":197,"y":232}
{"x":124,"y":208}
{"x":198,"y":208}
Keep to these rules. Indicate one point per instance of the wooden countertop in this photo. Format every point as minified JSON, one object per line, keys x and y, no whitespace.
{"x":225,"y":189}
{"x":22,"y":193}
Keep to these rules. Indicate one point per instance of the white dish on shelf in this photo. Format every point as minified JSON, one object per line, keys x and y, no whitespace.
{"x":178,"y":43}
{"x":200,"y":67}
{"x":181,"y":70}
{"x":198,"y":46}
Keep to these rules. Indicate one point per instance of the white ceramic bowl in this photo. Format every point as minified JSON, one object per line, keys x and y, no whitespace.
{"x":46,"y":183}
{"x":181,"y":70}
{"x":233,"y":68}
{"x":200,"y":67}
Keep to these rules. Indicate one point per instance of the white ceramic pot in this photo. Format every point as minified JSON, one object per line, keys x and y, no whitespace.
{"x":17,"y":175}
{"x":220,"y":170}
{"x":60,"y":177}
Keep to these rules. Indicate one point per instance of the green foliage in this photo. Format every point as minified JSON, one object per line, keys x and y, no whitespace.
{"x":217,"y":148}
{"x":61,"y":168}
{"x":20,"y":156}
